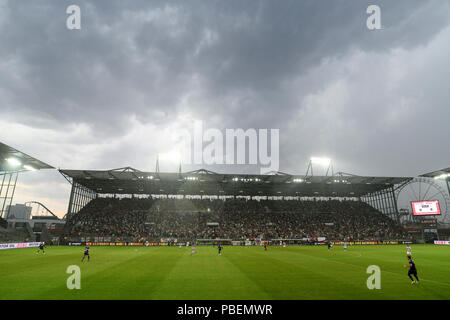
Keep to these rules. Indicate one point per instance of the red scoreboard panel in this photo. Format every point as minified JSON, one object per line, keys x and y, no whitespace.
{"x":426,"y":208}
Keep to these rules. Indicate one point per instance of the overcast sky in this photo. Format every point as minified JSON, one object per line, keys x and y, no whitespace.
{"x":110,"y":95}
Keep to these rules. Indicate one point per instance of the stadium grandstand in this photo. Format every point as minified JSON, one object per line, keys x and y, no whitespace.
{"x":126,"y":204}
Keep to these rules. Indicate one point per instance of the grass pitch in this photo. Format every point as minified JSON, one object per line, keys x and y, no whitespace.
{"x":294,"y":272}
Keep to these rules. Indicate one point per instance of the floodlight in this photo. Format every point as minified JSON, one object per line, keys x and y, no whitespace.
{"x":14,"y":162}
{"x":321,"y":161}
{"x":171,"y":156}
{"x":442,"y":176}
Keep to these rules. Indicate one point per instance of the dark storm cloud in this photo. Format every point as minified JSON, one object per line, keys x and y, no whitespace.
{"x":140,"y":57}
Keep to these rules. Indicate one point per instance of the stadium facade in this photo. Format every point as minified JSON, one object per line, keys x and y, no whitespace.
{"x":379,"y":192}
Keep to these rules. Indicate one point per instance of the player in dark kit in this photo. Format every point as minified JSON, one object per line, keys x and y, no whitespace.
{"x":86,"y":253}
{"x":412,"y":270}
{"x":41,"y":247}
{"x":220,"y":249}
{"x":265,"y":245}
{"x":329,"y":245}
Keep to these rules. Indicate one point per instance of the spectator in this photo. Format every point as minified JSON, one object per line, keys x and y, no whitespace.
{"x":187,"y":219}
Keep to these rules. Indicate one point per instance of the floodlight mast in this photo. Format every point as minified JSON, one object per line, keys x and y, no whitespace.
{"x":8,"y":183}
{"x":324,"y":162}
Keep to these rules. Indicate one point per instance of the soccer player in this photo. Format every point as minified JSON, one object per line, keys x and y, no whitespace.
{"x":220,"y":249}
{"x":193,"y":250}
{"x":408,"y":250}
{"x":345,"y":245}
{"x":329,"y":245}
{"x":265,"y":245}
{"x":412,"y":270}
{"x":86,"y":253}
{"x":41,"y":247}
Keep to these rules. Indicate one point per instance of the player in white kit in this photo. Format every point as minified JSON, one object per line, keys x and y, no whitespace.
{"x":345,"y":245}
{"x":408,"y":251}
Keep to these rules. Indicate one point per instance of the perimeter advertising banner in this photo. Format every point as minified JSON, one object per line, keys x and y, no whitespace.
{"x":18,"y":245}
{"x":445,"y":243}
{"x":108,"y":244}
{"x":376,"y":242}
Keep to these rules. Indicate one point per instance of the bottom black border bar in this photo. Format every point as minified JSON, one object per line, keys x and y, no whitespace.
{"x":230,"y":309}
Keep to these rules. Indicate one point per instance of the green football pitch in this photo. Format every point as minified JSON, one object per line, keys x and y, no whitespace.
{"x":294,"y":272}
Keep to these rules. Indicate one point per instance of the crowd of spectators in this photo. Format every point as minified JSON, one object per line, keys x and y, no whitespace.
{"x":237,"y":219}
{"x":111,"y":217}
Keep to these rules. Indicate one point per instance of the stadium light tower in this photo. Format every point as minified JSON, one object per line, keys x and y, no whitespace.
{"x":320,"y":161}
{"x":13,"y":162}
{"x":442,"y":174}
{"x":446,"y":178}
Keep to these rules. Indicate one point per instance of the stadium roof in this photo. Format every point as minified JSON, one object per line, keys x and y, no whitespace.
{"x":14,"y":160}
{"x":437,"y":173}
{"x":204,"y":182}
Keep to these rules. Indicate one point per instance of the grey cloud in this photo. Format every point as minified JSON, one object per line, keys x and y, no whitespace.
{"x":139,"y":58}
